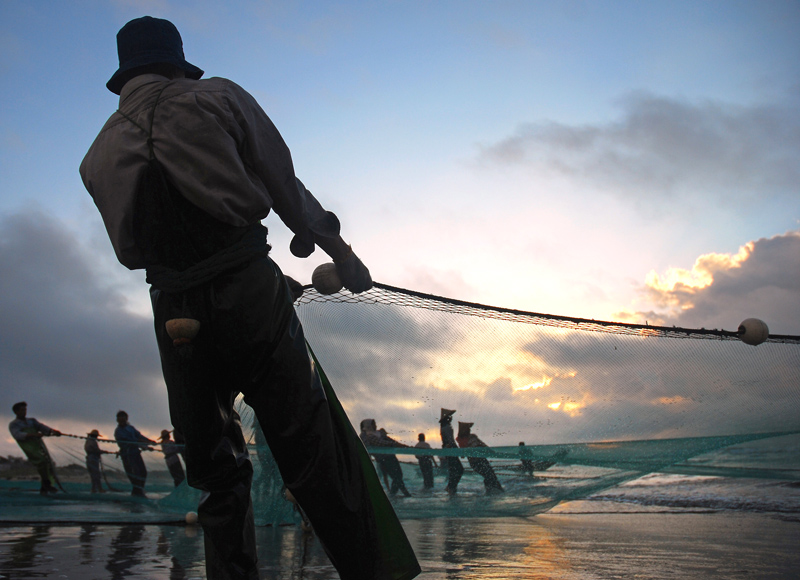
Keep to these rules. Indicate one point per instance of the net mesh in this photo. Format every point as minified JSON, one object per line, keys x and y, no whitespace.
{"x":595,"y":403}
{"x":400,"y":356}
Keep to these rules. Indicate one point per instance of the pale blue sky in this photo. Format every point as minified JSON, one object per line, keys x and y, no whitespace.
{"x":543,"y":156}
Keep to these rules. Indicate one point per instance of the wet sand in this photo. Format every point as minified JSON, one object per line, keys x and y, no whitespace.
{"x":577,"y":540}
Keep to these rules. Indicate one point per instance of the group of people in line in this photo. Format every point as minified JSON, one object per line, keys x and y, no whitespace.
{"x":389,"y":466}
{"x":28,"y":433}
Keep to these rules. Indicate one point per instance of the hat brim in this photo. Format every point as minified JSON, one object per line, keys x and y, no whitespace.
{"x":122,"y":76}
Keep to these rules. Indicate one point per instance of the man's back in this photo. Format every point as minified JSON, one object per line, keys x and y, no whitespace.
{"x":214,"y":142}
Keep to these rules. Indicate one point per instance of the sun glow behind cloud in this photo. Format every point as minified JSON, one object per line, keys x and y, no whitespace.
{"x":479,"y":361}
{"x":545,"y":381}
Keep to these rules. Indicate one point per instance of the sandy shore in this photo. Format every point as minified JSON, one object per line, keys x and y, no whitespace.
{"x":578,"y":540}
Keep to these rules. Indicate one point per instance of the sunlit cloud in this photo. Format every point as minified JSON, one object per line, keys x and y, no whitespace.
{"x":543,"y":383}
{"x":675,"y":286}
{"x":676,"y":400}
{"x":408,"y":404}
{"x":761,"y":280}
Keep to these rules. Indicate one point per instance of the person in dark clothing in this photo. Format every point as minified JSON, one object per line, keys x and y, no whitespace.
{"x":426,"y":462}
{"x":182,"y":174}
{"x":131,"y":443}
{"x":374,"y":437}
{"x":172,"y":457}
{"x":454,"y":468}
{"x":525,"y":459}
{"x":480,"y":465}
{"x":94,"y":461}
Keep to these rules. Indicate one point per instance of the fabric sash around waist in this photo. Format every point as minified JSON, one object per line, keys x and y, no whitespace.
{"x":252,"y":245}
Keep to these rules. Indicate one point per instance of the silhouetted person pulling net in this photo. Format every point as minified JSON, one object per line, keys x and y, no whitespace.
{"x":28,"y":433}
{"x":182,"y":174}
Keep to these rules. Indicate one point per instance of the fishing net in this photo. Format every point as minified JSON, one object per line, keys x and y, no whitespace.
{"x":565,"y":407}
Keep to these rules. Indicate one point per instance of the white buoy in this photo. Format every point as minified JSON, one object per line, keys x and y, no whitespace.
{"x":191,"y":518}
{"x":325,"y":279}
{"x":753,"y":331}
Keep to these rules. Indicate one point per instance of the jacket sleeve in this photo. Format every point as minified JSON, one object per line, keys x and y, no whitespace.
{"x":264,"y":151}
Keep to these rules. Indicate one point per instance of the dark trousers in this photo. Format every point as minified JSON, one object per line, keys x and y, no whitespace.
{"x":482,"y":467}
{"x":136,"y":472}
{"x":391,"y":466}
{"x":454,"y":472}
{"x":93,"y":465}
{"x":426,"y":467}
{"x":251,"y":341}
{"x":175,"y":470}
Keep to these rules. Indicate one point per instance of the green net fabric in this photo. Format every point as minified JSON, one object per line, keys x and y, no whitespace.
{"x":595,"y":404}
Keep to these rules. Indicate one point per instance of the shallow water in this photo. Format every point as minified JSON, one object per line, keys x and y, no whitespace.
{"x":578,"y":540}
{"x":660,"y":526}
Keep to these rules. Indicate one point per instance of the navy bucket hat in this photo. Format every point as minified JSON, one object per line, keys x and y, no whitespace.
{"x":149,"y":40}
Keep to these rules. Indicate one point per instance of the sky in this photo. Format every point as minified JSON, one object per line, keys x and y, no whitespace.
{"x":628,"y":161}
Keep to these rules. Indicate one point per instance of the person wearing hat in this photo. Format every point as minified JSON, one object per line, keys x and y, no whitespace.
{"x":172,"y":457}
{"x":28,"y":433}
{"x":94,"y":460}
{"x":480,"y":465}
{"x":454,"y":468}
{"x":182,"y":175}
{"x":131,"y":442}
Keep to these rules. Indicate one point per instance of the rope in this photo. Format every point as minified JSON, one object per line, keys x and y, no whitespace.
{"x":99,"y":440}
{"x":392,"y":295}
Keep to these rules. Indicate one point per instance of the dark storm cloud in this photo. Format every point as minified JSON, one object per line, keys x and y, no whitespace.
{"x":67,"y":344}
{"x":638,"y":386}
{"x":374,"y":357}
{"x":667,"y":149}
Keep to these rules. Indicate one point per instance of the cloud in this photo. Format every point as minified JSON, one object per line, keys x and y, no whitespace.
{"x":761,"y":280}
{"x":662,"y":150}
{"x":68,"y":344}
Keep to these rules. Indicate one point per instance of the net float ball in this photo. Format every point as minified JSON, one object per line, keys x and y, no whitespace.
{"x":182,"y":330}
{"x":191,"y":518}
{"x":325,"y":279}
{"x":753,"y":331}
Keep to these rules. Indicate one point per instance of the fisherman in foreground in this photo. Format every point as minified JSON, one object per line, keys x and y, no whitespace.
{"x":182,"y":175}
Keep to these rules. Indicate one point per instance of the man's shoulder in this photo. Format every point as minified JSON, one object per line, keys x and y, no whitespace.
{"x":210,"y":85}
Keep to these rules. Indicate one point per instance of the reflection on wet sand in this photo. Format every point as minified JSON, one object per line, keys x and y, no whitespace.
{"x":25,"y":552}
{"x":126,"y":551}
{"x":487,"y":549}
{"x":447,"y":548}
{"x":555,"y":547}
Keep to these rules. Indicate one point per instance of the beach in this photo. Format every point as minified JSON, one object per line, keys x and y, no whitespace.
{"x":576,"y":540}
{"x":657,"y":526}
